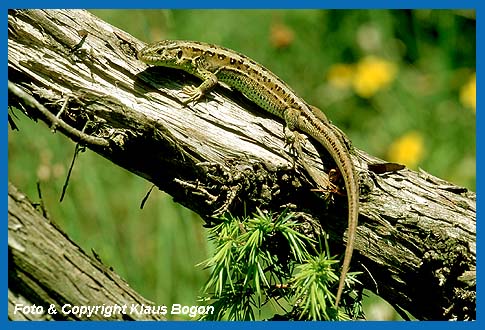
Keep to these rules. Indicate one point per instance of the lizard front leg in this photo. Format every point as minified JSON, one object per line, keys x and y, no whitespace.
{"x":209,"y":82}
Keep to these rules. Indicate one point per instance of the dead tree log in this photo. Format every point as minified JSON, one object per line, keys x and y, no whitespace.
{"x":416,"y":240}
{"x":49,"y":271}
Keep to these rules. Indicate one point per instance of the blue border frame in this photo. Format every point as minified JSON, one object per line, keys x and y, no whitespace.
{"x":330,"y":4}
{"x":342,"y":4}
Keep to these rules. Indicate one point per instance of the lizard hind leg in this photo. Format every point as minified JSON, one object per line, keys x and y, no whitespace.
{"x":295,"y":140}
{"x":292,"y":137}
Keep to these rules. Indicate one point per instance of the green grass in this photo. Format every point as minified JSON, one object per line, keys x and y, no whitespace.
{"x":155,"y":249}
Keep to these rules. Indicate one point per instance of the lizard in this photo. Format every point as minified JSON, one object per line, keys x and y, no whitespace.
{"x":214,"y":64}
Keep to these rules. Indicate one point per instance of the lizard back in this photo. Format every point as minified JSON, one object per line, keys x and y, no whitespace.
{"x":240,"y":72}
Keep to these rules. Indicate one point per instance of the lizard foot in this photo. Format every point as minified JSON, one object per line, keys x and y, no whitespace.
{"x":194,"y":93}
{"x":294,"y":141}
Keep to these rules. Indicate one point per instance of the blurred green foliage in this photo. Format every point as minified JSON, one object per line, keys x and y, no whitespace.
{"x":428,"y":96}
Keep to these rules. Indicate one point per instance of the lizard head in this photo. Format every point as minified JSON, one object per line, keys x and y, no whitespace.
{"x":165,"y":53}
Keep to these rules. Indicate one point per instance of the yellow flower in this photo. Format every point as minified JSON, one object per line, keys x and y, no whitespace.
{"x":373,"y":74}
{"x":340,"y":75}
{"x":468,"y":93}
{"x":408,"y":149}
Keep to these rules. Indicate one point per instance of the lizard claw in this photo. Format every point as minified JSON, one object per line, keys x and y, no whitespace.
{"x":294,"y":140}
{"x":193,"y":92}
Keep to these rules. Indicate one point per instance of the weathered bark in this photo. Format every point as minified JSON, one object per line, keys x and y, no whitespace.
{"x":416,"y":237}
{"x":48,"y":270}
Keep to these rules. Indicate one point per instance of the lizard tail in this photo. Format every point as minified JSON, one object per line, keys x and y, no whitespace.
{"x":353,"y":200}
